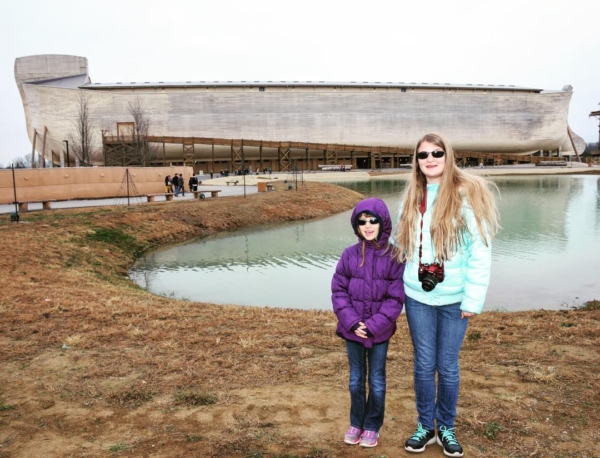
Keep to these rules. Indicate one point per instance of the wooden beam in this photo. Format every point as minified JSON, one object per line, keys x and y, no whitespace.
{"x":189,"y":155}
{"x":329,"y":150}
{"x":43,"y":155}
{"x":237,"y":155}
{"x":32,"y":163}
{"x":573,"y":143}
{"x":284,"y":159}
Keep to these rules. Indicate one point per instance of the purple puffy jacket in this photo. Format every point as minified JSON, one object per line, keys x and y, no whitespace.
{"x":372,"y":293}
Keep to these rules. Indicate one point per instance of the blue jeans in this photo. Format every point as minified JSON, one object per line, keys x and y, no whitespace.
{"x":437,"y":334}
{"x":367,"y":413}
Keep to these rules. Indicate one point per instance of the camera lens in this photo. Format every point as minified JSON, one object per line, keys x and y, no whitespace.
{"x":429,"y":282}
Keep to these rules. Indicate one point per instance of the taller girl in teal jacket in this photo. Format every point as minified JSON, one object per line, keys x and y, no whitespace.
{"x":445,"y":226}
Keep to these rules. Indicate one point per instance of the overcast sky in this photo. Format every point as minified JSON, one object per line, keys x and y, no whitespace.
{"x":524,"y":43}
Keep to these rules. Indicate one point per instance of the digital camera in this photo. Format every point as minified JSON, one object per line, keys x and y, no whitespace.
{"x":430,"y":275}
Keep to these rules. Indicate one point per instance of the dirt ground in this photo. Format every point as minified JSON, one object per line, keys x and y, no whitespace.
{"x":93,"y":366}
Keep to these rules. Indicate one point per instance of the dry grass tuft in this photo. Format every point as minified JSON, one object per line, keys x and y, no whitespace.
{"x":73,"y":341}
{"x":249,"y":342}
{"x":195,"y":398}
{"x":534,"y":372}
{"x":131,"y":396}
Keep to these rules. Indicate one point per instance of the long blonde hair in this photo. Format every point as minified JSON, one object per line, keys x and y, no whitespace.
{"x":448,"y":225}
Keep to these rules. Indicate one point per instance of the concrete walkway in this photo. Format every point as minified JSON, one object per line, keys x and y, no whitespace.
{"x":225,"y":191}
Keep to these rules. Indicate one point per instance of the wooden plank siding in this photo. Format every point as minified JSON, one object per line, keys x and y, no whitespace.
{"x":286,"y":121}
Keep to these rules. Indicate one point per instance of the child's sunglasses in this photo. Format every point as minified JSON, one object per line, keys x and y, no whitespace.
{"x":362,"y":222}
{"x":425,"y":154}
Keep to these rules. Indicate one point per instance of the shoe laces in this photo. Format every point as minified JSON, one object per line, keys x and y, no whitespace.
{"x":420,"y":433}
{"x":448,"y":435}
{"x":370,"y":434}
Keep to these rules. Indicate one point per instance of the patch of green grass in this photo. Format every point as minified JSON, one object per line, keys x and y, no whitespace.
{"x":115,"y":237}
{"x":491,"y":430}
{"x":192,"y":438}
{"x":5,"y":407}
{"x":567,"y":324}
{"x":118,"y":447}
{"x":195,"y":398}
{"x":474,"y":336}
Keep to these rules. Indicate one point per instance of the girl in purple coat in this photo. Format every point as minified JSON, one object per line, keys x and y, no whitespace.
{"x":367,"y":295}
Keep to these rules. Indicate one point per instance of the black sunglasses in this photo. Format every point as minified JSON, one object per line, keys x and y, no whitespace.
{"x":425,"y":154}
{"x":362,"y":222}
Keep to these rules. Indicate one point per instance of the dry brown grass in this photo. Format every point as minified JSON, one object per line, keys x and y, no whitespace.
{"x":95,"y":366}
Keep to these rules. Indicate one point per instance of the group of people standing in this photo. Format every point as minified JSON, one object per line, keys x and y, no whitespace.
{"x":435,"y":263}
{"x":176,"y":184}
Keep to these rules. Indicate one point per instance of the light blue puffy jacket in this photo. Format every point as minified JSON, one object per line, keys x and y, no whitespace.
{"x":467,"y":274}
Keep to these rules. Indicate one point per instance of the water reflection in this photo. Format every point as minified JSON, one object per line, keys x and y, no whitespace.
{"x":550,"y":230}
{"x":597,"y":202}
{"x":533,"y":214}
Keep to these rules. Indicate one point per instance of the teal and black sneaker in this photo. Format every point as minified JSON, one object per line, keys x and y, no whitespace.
{"x":420,"y":439}
{"x":447,"y":439}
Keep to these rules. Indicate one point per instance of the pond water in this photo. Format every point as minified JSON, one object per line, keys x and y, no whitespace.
{"x":545,"y":256}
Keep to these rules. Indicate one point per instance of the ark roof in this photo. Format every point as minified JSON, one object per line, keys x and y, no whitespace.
{"x":291,"y":84}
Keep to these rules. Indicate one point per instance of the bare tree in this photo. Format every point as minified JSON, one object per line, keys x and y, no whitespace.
{"x":144,"y":153}
{"x":591,"y":147}
{"x":130,"y":146}
{"x":81,"y":139}
{"x":21,"y":162}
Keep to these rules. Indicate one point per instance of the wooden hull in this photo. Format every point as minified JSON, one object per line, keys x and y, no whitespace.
{"x":478,"y":119}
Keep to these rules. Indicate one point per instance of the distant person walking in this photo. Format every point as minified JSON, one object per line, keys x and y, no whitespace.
{"x":181,"y":185}
{"x":193,"y":183}
{"x":175,"y":182}
{"x":446,"y":223}
{"x":168,"y":184}
{"x":367,"y":295}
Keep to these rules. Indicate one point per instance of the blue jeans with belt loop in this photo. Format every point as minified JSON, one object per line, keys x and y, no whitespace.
{"x":367,"y":412}
{"x":437,"y":334}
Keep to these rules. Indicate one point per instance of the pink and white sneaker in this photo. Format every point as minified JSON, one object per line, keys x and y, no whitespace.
{"x":368,"y":439}
{"x":352,"y":436}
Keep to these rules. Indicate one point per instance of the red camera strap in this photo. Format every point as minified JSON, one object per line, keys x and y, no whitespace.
{"x":423,"y":204}
{"x":422,"y":209}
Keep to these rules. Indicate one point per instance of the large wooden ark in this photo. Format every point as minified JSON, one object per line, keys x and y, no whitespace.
{"x":216,"y":125}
